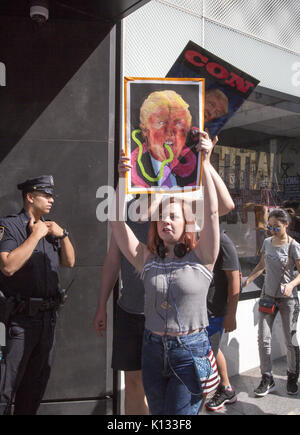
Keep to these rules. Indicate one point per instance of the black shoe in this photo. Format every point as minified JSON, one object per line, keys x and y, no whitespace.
{"x":267,"y":385}
{"x":220,"y":398}
{"x":292,"y":387}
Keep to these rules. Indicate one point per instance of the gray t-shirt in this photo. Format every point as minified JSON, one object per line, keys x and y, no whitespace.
{"x":276,"y":258}
{"x":132,"y":291}
{"x":175,"y":294}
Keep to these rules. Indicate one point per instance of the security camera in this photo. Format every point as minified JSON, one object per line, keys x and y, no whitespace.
{"x":39,"y":11}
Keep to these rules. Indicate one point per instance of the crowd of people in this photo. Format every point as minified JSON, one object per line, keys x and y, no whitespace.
{"x":167,"y":383}
{"x":180,"y":288}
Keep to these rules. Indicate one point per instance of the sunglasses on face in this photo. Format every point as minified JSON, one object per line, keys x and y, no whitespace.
{"x":273,"y":227}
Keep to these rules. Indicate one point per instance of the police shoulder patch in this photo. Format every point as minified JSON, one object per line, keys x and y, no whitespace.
{"x":1,"y":232}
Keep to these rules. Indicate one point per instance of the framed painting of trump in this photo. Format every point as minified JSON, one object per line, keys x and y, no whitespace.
{"x":162,"y":120}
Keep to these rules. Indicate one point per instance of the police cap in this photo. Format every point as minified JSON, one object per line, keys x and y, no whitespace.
{"x":44,"y":183}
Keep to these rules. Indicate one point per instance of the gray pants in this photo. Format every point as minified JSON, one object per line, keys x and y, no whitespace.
{"x":289,"y":311}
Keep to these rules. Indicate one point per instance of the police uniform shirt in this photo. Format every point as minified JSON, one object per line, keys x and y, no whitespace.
{"x":39,"y":276}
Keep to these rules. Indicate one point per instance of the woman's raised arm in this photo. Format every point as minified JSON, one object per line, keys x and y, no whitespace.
{"x":208,"y":245}
{"x":135,"y":251}
{"x":225,"y":201}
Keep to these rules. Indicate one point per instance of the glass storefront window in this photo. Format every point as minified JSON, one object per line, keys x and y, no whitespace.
{"x":258,"y":157}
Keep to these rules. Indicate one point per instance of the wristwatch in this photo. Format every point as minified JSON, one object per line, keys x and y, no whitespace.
{"x":65,"y":234}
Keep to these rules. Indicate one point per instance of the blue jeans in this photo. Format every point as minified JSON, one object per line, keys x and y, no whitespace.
{"x":169,"y":376}
{"x":215,"y":331}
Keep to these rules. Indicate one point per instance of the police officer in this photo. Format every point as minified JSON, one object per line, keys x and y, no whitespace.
{"x":31,"y":251}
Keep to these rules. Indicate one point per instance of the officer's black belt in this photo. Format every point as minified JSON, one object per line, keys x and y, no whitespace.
{"x":33,"y":306}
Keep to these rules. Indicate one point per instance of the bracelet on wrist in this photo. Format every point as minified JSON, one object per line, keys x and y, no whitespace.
{"x":65,"y":234}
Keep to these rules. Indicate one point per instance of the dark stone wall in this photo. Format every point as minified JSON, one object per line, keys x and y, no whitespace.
{"x":54,"y":120}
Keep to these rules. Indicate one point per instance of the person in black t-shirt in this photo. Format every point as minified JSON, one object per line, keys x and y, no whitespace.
{"x":222,"y":303}
{"x":293,"y":209}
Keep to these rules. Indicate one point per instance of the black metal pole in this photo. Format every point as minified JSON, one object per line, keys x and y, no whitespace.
{"x":118,"y":72}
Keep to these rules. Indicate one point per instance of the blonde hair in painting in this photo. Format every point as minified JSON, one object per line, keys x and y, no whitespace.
{"x":167,"y":98}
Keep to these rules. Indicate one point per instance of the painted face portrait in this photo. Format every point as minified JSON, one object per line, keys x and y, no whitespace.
{"x":159,"y":135}
{"x":216,"y":105}
{"x":165,"y":120}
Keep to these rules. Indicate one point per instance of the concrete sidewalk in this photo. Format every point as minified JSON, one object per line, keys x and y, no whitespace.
{"x":276,"y":403}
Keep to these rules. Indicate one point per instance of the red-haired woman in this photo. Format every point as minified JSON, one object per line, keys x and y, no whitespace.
{"x":176,"y":271}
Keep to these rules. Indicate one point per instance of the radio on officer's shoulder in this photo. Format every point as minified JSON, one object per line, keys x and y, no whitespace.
{"x":63,"y":296}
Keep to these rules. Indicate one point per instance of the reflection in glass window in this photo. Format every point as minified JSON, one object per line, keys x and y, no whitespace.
{"x":258,"y":157}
